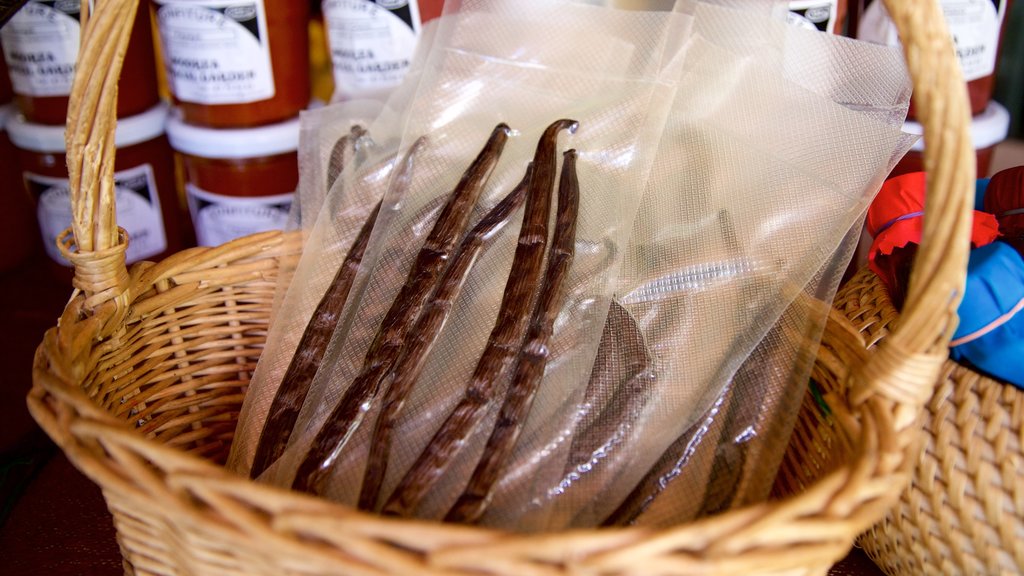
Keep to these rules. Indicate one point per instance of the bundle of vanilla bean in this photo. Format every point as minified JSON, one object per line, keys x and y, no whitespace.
{"x":630,"y":348}
{"x":518,"y":340}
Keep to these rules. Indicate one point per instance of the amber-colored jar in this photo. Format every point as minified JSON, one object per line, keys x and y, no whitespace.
{"x":372,"y":43}
{"x":6,"y":92}
{"x":237,"y":181}
{"x":976,"y":27}
{"x":987,"y":130}
{"x":17,"y":226}
{"x":823,"y":15}
{"x":41,"y":49}
{"x":147,"y":205}
{"x":236,"y":63}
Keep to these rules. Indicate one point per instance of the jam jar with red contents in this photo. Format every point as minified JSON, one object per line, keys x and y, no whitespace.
{"x":6,"y":92}
{"x":822,"y":15}
{"x":987,"y":130}
{"x":40,"y":45}
{"x":147,"y":205}
{"x":369,"y":65}
{"x":976,"y":27}
{"x":17,"y":226}
{"x":235,"y":63}
{"x":237,"y":181}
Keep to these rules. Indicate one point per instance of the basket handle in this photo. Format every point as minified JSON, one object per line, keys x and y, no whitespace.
{"x":94,"y":244}
{"x":905,"y":365}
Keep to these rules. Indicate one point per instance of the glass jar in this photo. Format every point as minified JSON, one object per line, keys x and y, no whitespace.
{"x":237,"y":181}
{"x":147,"y":205}
{"x":371,"y":44}
{"x":40,"y":46}
{"x":6,"y":92}
{"x":976,"y":27}
{"x":235,"y":63}
{"x":987,"y":130}
{"x":17,"y":226}
{"x":823,"y":15}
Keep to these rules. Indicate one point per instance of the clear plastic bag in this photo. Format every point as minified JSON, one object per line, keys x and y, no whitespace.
{"x":330,"y":138}
{"x":343,"y":195}
{"x":704,"y":300}
{"x":326,"y":243}
{"x":620,"y":116}
{"x":727,"y":457}
{"x":864,"y":77}
{"x":710,"y":233}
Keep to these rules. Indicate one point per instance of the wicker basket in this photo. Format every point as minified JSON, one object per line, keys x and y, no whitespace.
{"x":963,"y":512}
{"x":141,"y":382}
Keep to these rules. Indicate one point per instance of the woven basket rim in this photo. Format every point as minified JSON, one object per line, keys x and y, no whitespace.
{"x":807,"y":531}
{"x":963,"y":490}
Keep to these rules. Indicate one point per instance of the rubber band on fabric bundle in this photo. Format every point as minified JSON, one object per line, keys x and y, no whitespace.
{"x":889,"y":224}
{"x":990,"y":326}
{"x":991,"y":333}
{"x":894,"y":222}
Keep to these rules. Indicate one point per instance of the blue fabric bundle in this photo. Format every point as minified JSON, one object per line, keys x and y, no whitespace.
{"x":991,"y":332}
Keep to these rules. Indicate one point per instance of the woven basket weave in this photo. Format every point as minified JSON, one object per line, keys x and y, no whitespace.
{"x":963,"y":512}
{"x":141,"y":382}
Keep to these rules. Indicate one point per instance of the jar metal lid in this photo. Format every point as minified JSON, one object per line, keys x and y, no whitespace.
{"x":230,"y":143}
{"x":50,"y":139}
{"x":987,"y":129}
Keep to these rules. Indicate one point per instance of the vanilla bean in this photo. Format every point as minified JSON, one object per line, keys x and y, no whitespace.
{"x":295,"y":385}
{"x":288,"y":399}
{"x":430,"y":263}
{"x":336,"y":160}
{"x":620,"y":357}
{"x":621,"y":382}
{"x":623,"y":362}
{"x":671,"y":466}
{"x":504,"y":340}
{"x":727,"y":465}
{"x":422,"y":338}
{"x":533,"y":354}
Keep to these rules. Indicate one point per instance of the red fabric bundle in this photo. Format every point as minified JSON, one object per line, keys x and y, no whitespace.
{"x":894,"y":221}
{"x":1005,"y":199}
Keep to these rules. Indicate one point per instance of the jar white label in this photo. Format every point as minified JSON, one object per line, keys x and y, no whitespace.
{"x":371,"y":43}
{"x":216,"y":52}
{"x":218,"y":218}
{"x":818,"y":15}
{"x":138,"y":211}
{"x":974,"y":25}
{"x":41,"y":47}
